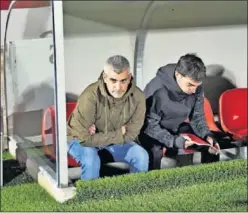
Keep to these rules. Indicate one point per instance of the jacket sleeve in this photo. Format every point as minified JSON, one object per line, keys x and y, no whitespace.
{"x":155,"y":130}
{"x":197,"y":118}
{"x":86,"y":113}
{"x":135,"y":124}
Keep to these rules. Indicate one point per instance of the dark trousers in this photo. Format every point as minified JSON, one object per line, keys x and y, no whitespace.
{"x":155,"y":149}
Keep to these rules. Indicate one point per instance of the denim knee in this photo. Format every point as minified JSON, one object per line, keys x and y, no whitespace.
{"x":86,"y":156}
{"x":90,"y":164}
{"x":141,"y":159}
{"x":90,"y":158}
{"x":142,"y":155}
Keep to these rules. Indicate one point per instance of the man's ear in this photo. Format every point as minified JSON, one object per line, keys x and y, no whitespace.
{"x":104,"y":75}
{"x":129,"y":76}
{"x":178,"y":75}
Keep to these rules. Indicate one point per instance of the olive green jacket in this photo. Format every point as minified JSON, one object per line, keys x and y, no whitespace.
{"x":96,"y":106}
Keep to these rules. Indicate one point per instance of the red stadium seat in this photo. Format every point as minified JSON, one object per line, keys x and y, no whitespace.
{"x":233,"y":113}
{"x":209,"y":116}
{"x":50,"y":145}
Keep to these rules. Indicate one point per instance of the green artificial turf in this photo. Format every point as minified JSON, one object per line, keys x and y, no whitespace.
{"x":228,"y":195}
{"x":219,"y":186}
{"x":7,"y":156}
{"x":167,"y":178}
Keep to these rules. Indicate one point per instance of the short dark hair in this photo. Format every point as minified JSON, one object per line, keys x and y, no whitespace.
{"x":190,"y":65}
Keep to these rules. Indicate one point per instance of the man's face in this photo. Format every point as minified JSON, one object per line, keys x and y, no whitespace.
{"x":117,"y":84}
{"x":186,"y":84}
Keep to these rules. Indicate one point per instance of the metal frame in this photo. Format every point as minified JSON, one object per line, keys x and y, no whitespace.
{"x":140,"y":44}
{"x":1,"y":154}
{"x":59,"y":89}
{"x":59,"y":92}
{"x":2,"y":139}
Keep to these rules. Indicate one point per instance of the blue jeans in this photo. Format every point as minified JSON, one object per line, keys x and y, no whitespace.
{"x":129,"y":152}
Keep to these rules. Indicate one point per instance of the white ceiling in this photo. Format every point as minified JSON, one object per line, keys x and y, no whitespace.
{"x":167,"y":14}
{"x":124,"y":14}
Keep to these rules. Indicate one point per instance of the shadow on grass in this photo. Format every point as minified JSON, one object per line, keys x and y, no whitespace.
{"x":14,"y":174}
{"x":241,"y":203}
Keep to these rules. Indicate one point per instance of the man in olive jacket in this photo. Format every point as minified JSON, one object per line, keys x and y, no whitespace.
{"x":109,"y":115}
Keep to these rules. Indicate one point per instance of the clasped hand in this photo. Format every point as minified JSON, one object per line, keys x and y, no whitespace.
{"x":92,"y":129}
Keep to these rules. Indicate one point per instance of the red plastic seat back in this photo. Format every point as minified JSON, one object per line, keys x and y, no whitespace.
{"x":69,"y":109}
{"x":50,"y":112}
{"x":233,"y":109}
{"x":209,"y":116}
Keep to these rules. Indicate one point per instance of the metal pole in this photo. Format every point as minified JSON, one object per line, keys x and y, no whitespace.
{"x":1,"y":154}
{"x":60,"y":101}
{"x":140,"y":44}
{"x":2,"y":140}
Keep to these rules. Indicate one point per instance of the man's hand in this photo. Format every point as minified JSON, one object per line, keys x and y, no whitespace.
{"x":188,"y":143}
{"x":210,"y":140}
{"x":92,"y":129}
{"x":123,"y":130}
{"x":215,"y":148}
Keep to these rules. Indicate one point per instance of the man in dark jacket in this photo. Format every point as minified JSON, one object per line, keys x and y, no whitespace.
{"x":174,"y":96}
